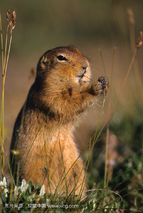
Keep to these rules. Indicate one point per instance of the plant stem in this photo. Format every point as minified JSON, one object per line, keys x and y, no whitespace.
{"x":6,"y":46}
{"x":102,"y":60}
{"x":133,"y":58}
{"x":135,"y":64}
{"x":108,"y":125}
{"x":2,"y":106}
{"x":5,"y":58}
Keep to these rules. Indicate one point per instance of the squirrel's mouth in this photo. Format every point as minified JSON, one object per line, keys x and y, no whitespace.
{"x":81,"y":75}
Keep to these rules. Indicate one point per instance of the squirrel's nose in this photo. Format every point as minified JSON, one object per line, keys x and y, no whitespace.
{"x":84,"y":70}
{"x":85,"y":65}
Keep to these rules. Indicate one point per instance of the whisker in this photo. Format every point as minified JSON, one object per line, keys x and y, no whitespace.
{"x":88,"y":78}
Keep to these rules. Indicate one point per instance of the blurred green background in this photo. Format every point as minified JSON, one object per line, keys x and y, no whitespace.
{"x":86,"y":24}
{"x":42,"y":25}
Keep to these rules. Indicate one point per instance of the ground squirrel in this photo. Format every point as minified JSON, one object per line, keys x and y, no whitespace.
{"x":43,"y":131}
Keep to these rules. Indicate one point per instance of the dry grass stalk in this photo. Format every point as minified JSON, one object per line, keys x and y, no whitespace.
{"x":133,"y":44}
{"x":5,"y":59}
{"x":129,"y":69}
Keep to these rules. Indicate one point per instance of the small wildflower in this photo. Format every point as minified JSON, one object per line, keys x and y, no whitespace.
{"x":23,"y":186}
{"x":4,"y":182}
{"x":6,"y":191}
{"x":15,"y":191}
{"x":3,"y":185}
{"x":42,"y":191}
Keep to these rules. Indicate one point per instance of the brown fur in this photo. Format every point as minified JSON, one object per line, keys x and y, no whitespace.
{"x":43,"y":129}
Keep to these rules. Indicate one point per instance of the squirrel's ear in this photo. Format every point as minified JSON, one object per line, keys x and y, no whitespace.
{"x":43,"y":63}
{"x":45,"y":60}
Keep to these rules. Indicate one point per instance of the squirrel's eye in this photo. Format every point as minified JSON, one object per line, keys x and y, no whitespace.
{"x":61,"y":58}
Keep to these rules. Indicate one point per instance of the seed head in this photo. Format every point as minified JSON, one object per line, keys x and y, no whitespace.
{"x":13,"y":17}
{"x":7,"y":16}
{"x":131,"y":16}
{"x":13,"y":22}
{"x":139,"y":41}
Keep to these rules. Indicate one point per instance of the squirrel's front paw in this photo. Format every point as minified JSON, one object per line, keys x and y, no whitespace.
{"x":101,"y":85}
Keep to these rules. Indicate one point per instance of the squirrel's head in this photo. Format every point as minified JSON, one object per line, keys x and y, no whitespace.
{"x":64,"y":65}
